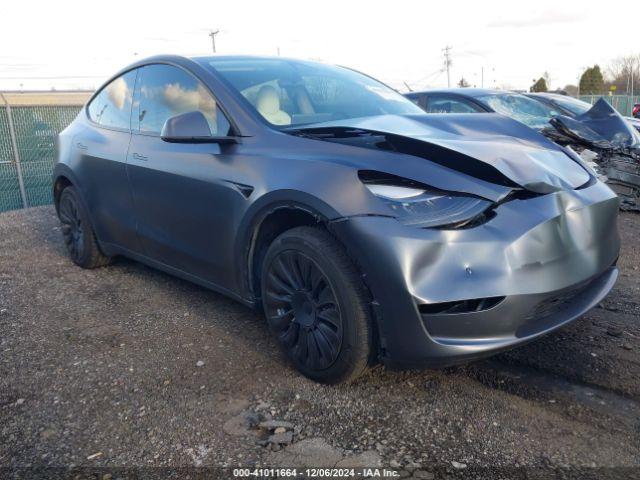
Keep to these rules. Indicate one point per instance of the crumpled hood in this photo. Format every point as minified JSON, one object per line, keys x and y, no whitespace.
{"x":601,"y":127}
{"x":521,"y":154}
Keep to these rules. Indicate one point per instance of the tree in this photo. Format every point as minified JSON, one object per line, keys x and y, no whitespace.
{"x":622,"y":70}
{"x":592,"y":81}
{"x":463,"y":83}
{"x":539,"y":85}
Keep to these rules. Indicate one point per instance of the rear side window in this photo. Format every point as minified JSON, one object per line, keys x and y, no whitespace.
{"x":165,"y":91}
{"x":419,"y":100}
{"x":450,"y":105}
{"x":112,"y":106}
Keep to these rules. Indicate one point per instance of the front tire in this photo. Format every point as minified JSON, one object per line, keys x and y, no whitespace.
{"x":316,"y":305}
{"x":79,"y":237}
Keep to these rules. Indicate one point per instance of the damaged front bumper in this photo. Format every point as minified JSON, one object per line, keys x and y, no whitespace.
{"x":620,"y":172}
{"x":623,"y":176}
{"x":447,"y":296}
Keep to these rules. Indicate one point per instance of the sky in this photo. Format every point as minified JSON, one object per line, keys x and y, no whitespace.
{"x":495,"y":44}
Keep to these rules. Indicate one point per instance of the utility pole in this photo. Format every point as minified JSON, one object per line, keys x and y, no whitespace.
{"x":482,"y":77}
{"x":447,"y":63}
{"x":213,"y":34}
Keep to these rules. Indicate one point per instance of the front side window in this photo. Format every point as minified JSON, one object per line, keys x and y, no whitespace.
{"x":450,"y":105}
{"x":291,"y":93}
{"x":165,"y":91}
{"x":112,"y":106}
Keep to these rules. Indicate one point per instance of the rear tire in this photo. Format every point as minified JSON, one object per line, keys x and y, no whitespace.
{"x":78,"y":234}
{"x":317,"y":306}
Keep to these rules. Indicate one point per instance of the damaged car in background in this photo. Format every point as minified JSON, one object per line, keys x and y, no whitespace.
{"x":570,"y":106}
{"x":600,"y":135}
{"x":365,"y":230}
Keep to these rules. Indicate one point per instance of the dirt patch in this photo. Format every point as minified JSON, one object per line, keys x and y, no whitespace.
{"x":148,"y":370}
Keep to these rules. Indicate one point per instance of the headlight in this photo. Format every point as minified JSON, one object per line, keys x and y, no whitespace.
{"x":426,"y":208}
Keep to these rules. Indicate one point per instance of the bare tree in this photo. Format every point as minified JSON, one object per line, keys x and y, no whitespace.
{"x":463,"y":83}
{"x":622,"y":70}
{"x":571,"y":90}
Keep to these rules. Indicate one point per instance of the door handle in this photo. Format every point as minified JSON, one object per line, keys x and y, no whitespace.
{"x":137,"y":156}
{"x":81,"y":146}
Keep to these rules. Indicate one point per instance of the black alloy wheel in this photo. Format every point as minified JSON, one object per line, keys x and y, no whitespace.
{"x":317,"y":306}
{"x":302,"y":310}
{"x":72,"y":227}
{"x":77,"y":232}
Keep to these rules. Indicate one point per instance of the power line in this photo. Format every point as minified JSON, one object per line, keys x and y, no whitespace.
{"x":479,"y":55}
{"x":420,"y":81}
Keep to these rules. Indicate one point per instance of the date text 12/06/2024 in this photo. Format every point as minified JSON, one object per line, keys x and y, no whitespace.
{"x":315,"y":473}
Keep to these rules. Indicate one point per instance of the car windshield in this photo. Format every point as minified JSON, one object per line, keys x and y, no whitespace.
{"x":291,"y":93}
{"x":530,"y":112}
{"x":575,"y":106}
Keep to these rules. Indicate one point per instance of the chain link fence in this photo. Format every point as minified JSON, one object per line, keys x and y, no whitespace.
{"x":622,"y":103}
{"x":31,"y":122}
{"x":29,"y":126}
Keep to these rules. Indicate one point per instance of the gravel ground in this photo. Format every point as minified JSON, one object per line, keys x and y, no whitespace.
{"x":125,"y":366}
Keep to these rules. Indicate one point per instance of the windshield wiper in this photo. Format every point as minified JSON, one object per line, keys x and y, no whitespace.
{"x":328,"y":132}
{"x":345,"y":135}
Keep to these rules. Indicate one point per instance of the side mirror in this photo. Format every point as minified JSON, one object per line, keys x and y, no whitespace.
{"x":190,"y":127}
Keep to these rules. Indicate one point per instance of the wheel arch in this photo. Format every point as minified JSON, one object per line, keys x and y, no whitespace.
{"x":64,"y":177}
{"x":263,"y":226}
{"x":274,"y":216}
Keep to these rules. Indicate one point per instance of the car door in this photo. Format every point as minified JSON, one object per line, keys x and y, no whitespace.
{"x":184,"y":194}
{"x":100,"y":149}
